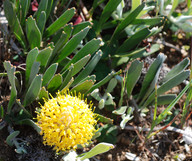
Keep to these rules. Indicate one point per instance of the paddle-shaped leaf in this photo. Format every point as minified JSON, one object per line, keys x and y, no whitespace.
{"x":60,"y":22}
{"x":33,"y":91}
{"x":133,"y":75}
{"x":33,"y":33}
{"x":98,"y":149}
{"x":11,"y":76}
{"x":72,"y":44}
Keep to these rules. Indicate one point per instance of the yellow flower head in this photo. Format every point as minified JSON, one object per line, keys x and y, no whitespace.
{"x":66,"y":121}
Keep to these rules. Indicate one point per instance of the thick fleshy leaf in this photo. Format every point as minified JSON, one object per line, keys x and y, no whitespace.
{"x":108,"y":10}
{"x":55,"y":83}
{"x":168,"y":85}
{"x":33,"y":91}
{"x":164,"y":114}
{"x":89,"y":67}
{"x":72,"y":44}
{"x":67,"y":75}
{"x":30,"y":123}
{"x":11,"y":76}
{"x":42,"y":7}
{"x":133,"y":41}
{"x":31,"y":57}
{"x":49,"y":73}
{"x":24,"y":10}
{"x":148,"y":21}
{"x":165,"y":99}
{"x":120,"y":111}
{"x":33,"y":33}
{"x":41,"y":22}
{"x":133,"y":75}
{"x":60,"y":22}
{"x":98,"y":149}
{"x":34,"y":71}
{"x":80,"y":64}
{"x":151,"y":77}
{"x":64,"y":88}
{"x":12,"y":136}
{"x":77,"y":28}
{"x":128,"y":20}
{"x":14,"y":22}
{"x":43,"y":57}
{"x":177,"y":69}
{"x":44,"y":94}
{"x":60,"y":43}
{"x":82,"y":87}
{"x":104,"y":80}
{"x":89,"y":48}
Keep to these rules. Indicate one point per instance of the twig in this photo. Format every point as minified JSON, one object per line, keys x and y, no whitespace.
{"x":170,"y":128}
{"x":168,"y":45}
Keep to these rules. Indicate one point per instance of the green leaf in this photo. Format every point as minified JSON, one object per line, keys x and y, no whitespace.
{"x":33,"y":90}
{"x":49,"y":7}
{"x":107,"y":11}
{"x":60,"y":22}
{"x":43,"y":57}
{"x":68,"y":29}
{"x":60,"y":43}
{"x":55,"y":83}
{"x":154,"y":48}
{"x":166,"y":99}
{"x":44,"y":94}
{"x":77,"y":28}
{"x":67,"y":75}
{"x":133,"y":75}
{"x":126,"y":117}
{"x":11,"y":137}
{"x":128,"y":20}
{"x":14,"y":22}
{"x":31,"y":57}
{"x":98,"y":149}
{"x":111,"y":85}
{"x":163,"y":114}
{"x":1,"y":112}
{"x":168,"y":85}
{"x":92,"y":77}
{"x":42,"y":7}
{"x":108,"y":133}
{"x":175,"y":3}
{"x":11,"y":76}
{"x":89,"y":67}
{"x":104,"y":119}
{"x":49,"y":73}
{"x":82,"y":87}
{"x":66,"y":87}
{"x":24,"y":10}
{"x":41,"y":22}
{"x":88,"y":48}
{"x":133,"y":41}
{"x":151,"y":77}
{"x":34,"y":70}
{"x":148,"y":21}
{"x":72,"y":44}
{"x":103,"y":81}
{"x":33,"y":34}
{"x":30,"y":123}
{"x":177,"y":69}
{"x":120,"y":111}
{"x":135,"y":4}
{"x":80,"y":64}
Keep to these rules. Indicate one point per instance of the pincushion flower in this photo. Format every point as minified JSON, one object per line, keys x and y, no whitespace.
{"x":66,"y":121}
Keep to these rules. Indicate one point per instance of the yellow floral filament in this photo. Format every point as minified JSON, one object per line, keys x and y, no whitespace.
{"x":66,"y":121}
